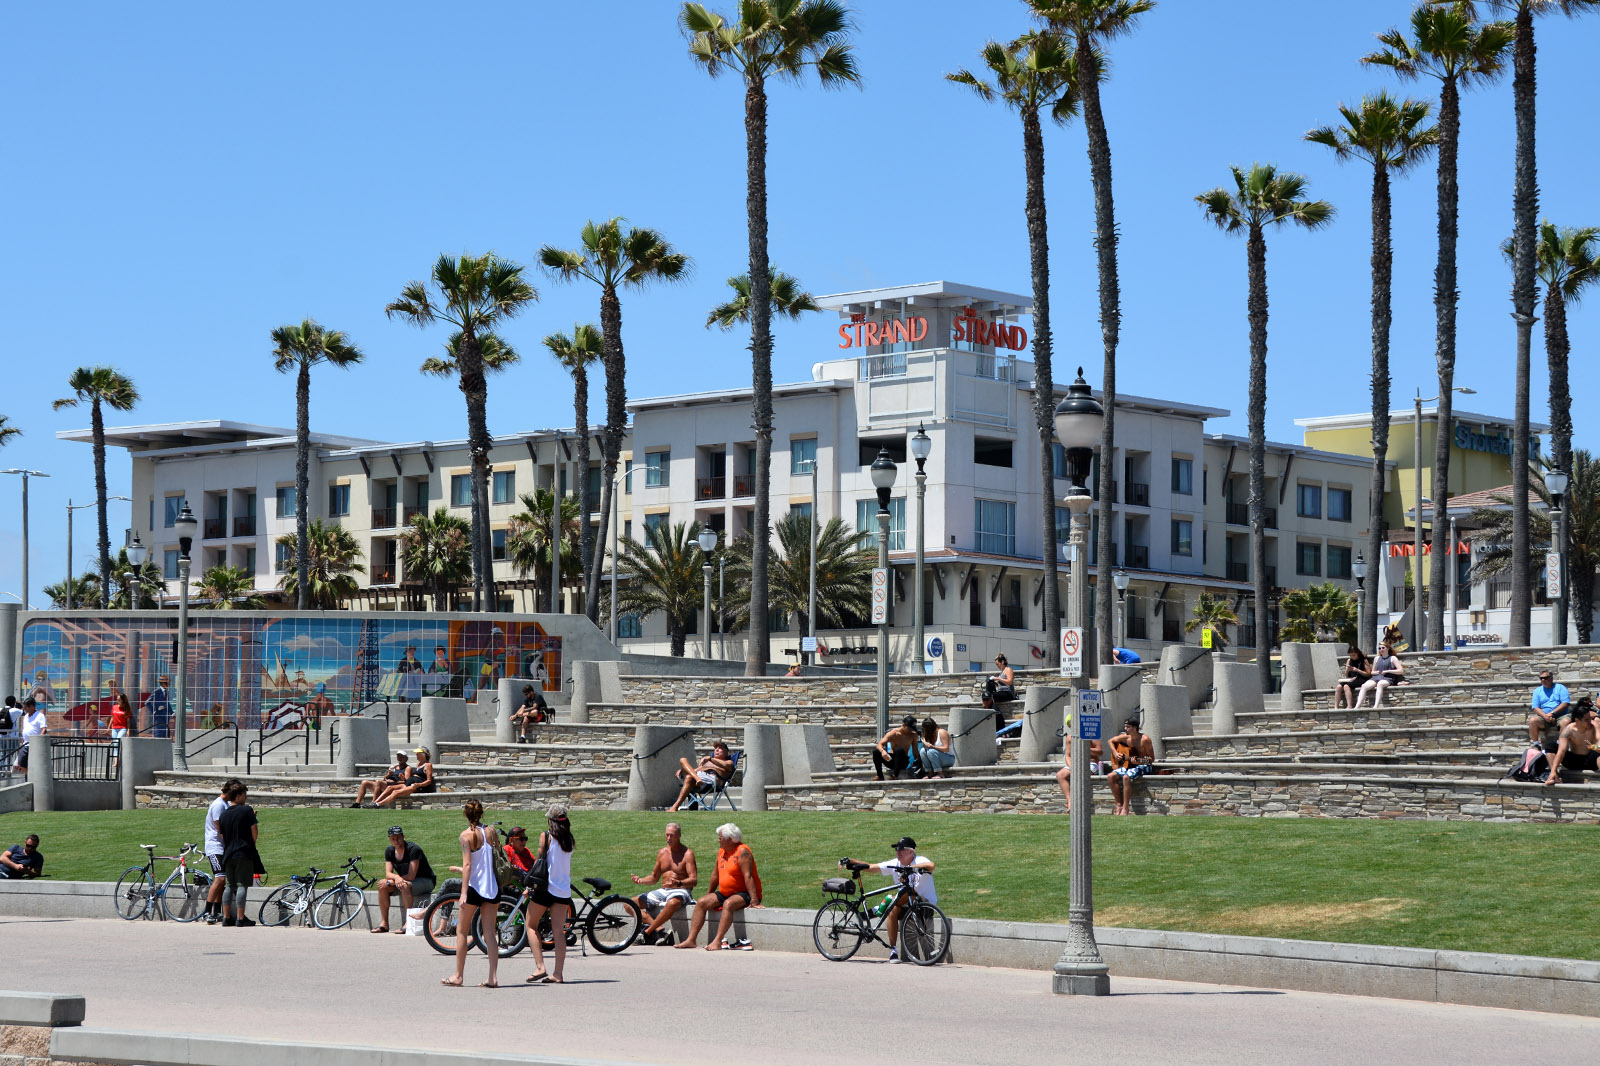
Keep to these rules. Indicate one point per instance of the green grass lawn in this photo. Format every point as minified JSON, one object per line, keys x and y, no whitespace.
{"x":1459,"y":885}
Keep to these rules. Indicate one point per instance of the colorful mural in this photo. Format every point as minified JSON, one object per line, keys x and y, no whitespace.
{"x":263,"y":669}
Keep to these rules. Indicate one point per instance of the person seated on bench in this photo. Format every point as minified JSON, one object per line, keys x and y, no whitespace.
{"x":676,"y":872}
{"x":1357,"y":671}
{"x":407,"y":872}
{"x":534,"y":711}
{"x":420,"y":779}
{"x":1551,"y":703}
{"x":23,"y":860}
{"x":1387,"y":669}
{"x":709,"y":771}
{"x":735,"y":886}
{"x":396,"y":775}
{"x":1000,"y":688}
{"x":1575,"y":751}
{"x":896,"y":748}
{"x":1132,"y":756}
{"x":936,"y":756}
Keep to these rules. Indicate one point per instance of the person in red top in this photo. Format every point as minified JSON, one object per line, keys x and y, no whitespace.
{"x":516,"y":849}
{"x":121,"y":717}
{"x":734,"y":886}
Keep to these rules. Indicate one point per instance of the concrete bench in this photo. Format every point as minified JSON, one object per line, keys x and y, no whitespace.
{"x":40,"y":1009}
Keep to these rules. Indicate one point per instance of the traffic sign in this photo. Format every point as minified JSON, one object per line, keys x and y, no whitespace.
{"x":1552,"y":575}
{"x":1205,"y":637}
{"x":880,"y":595}
{"x":1072,"y":651}
{"x":1089,"y":709}
{"x":935,"y":648}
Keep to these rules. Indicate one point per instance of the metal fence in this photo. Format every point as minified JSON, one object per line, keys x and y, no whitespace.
{"x":9,"y":746}
{"x":72,"y":759}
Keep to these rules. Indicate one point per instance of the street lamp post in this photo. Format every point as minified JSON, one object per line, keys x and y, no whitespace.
{"x":185,"y":528}
{"x":1358,"y":569}
{"x":1416,"y":527}
{"x":105,"y":594}
{"x":1080,"y":971}
{"x":883,"y":474}
{"x":26,"y":474}
{"x":555,"y":531}
{"x":616,"y":513}
{"x":921,"y":448}
{"x":708,"y":544}
{"x":811,"y":594}
{"x":137,"y":553}
{"x":1555,"y":481}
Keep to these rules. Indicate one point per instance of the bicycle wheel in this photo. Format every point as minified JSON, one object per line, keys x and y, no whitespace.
{"x":284,"y":904}
{"x":440,"y":925}
{"x":181,"y":899}
{"x":924,"y":933}
{"x":338,"y":907}
{"x":509,"y":919}
{"x":612,"y":924}
{"x":836,"y":930}
{"x":134,"y":894}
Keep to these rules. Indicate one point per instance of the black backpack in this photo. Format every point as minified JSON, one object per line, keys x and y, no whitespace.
{"x":1533,"y":765}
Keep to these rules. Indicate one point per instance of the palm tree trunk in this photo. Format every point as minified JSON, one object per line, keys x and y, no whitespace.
{"x":1557,"y":348}
{"x":757,"y":645}
{"x":469,"y":364}
{"x":1582,"y":586}
{"x":1044,"y":399}
{"x":614,"y":360}
{"x":1445,"y":298}
{"x":679,"y":635}
{"x":302,"y":486}
{"x":1382,"y":275}
{"x":1257,"y":253}
{"x":580,"y":412}
{"x":98,"y":427}
{"x":1105,"y":242}
{"x":1524,"y":296}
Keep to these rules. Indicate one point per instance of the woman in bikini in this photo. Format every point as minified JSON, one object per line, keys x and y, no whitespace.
{"x":479,"y":891}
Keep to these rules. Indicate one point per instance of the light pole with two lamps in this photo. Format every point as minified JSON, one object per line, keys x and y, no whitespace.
{"x":1556,"y":482}
{"x":26,"y":474}
{"x":883,"y":475}
{"x":708,"y":544}
{"x":1119,"y":578}
{"x":185,"y":527}
{"x":1417,"y":628}
{"x":921,"y":448}
{"x":1080,"y":971}
{"x":137,"y":554}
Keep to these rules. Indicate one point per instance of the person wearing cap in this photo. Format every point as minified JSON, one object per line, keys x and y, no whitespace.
{"x":896,"y":749}
{"x":534,"y":711}
{"x":396,"y":775}
{"x":708,"y":771}
{"x":407,"y":872}
{"x":420,"y":779}
{"x":1551,"y":703}
{"x":160,"y":708}
{"x":1132,"y":756}
{"x":33,"y":723}
{"x":920,"y":882}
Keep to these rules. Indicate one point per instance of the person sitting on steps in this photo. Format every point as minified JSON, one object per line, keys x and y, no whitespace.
{"x":1387,"y":669}
{"x":1551,"y":703}
{"x":534,"y":711}
{"x":1575,"y":751}
{"x":1357,"y":671}
{"x":1132,"y":756}
{"x":896,"y":748}
{"x":710,"y":770}
{"x":1000,"y":688}
{"x":937,"y":758}
{"x":676,"y":872}
{"x":396,"y":775}
{"x":420,"y":779}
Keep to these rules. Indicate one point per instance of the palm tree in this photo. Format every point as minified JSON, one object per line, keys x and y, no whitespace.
{"x":1569,"y":262}
{"x":1261,"y":197}
{"x":299,"y":348}
{"x":662,"y":574}
{"x":149,"y":580}
{"x":789,"y":300}
{"x":528,"y":542}
{"x":1214,"y":614}
{"x":770,"y":39}
{"x":1392,"y":136}
{"x":100,"y":387}
{"x":1093,"y":23}
{"x":613,"y":255}
{"x":1035,"y":72}
{"x":7,"y":431}
{"x":1447,"y":44}
{"x":224,"y":588}
{"x":844,"y":574}
{"x":1320,"y":614}
{"x":475,"y":292}
{"x":436,"y":552}
{"x":576,"y":354}
{"x":85,"y":592}
{"x":333,"y":554}
{"x":497,"y":355}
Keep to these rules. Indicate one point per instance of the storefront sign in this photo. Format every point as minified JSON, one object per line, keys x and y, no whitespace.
{"x":1408,"y":549}
{"x":1479,"y":640}
{"x":969,"y":327}
{"x":859,"y":333}
{"x":1481,"y":442}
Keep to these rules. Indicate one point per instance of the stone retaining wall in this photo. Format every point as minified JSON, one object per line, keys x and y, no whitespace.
{"x":1351,"y":742}
{"x":615,"y":756}
{"x":1515,"y":692}
{"x":1498,"y":664}
{"x":578,"y":796}
{"x":1487,"y":715}
{"x":800,"y":691}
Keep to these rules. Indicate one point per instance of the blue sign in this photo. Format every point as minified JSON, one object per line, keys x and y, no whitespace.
{"x":961,"y":649}
{"x":1088,"y":715}
{"x":935,"y":648}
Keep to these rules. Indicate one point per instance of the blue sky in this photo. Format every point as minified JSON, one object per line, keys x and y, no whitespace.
{"x":185,"y":177}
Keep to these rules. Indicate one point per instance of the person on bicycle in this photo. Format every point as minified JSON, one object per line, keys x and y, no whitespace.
{"x":676,"y":872}
{"x":735,"y":886}
{"x":407,"y":872}
{"x":920,"y":882}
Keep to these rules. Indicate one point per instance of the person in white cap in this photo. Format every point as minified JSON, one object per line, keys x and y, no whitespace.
{"x":395,"y":776}
{"x":921,"y":882}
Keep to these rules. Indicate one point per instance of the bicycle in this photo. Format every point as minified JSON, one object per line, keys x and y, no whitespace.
{"x":137,"y":895}
{"x":847,"y":921}
{"x":338,"y":906}
{"x":609,"y":922}
{"x":292,"y":900}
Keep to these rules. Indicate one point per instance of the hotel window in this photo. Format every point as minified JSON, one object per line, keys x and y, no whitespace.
{"x":653,"y":522}
{"x":1309,"y":501}
{"x":1339,"y":505}
{"x":1058,"y":461}
{"x":867,"y":521}
{"x":988,"y":452}
{"x":1012,"y":615}
{"x":627,"y":482}
{"x":630,"y":625}
{"x":657,"y":469}
{"x":802,"y":453}
{"x":338,"y":499}
{"x":1183,"y":476}
{"x":1063,"y":530}
{"x":1182,"y":536}
{"x":996,"y":527}
{"x":169,"y":564}
{"x":287,"y":503}
{"x":505,"y":486}
{"x":174,"y":507}
{"x":803,"y":510}
{"x":1339,"y":561}
{"x":460,"y":490}
{"x":595,"y":473}
{"x":282,"y":558}
{"x":497,"y":549}
{"x":1308,"y":558}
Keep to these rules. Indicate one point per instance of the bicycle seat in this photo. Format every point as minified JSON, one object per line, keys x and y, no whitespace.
{"x":149,"y":847}
{"x":599,"y":884}
{"x":316,"y":871}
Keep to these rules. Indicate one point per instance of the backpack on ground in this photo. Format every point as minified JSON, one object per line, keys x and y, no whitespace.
{"x":1532,"y":765}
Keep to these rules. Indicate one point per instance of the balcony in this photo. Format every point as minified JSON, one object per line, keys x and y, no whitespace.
{"x":408,"y":514}
{"x":1238,"y":514}
{"x":244,"y":526}
{"x":1139,"y":556}
{"x":1011,"y":616}
{"x":1138,"y":494}
{"x":710,"y":488}
{"x":744,"y":484}
{"x":1238,"y":571}
{"x":384,"y":517}
{"x":383,"y":574}
{"x":216,"y":528}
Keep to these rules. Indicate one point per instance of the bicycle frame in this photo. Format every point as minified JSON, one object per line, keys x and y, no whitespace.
{"x":863,"y":912}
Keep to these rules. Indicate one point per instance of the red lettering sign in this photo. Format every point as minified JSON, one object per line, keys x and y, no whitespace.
{"x":858,"y":332}
{"x":969,"y":327}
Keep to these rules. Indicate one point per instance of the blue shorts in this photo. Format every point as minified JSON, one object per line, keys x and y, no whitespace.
{"x":1132,"y":772}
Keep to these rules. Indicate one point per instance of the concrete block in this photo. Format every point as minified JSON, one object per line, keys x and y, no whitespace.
{"x":40,"y":774}
{"x":806,"y":751}
{"x":972,"y":736}
{"x":1238,"y":692}
{"x":585,"y":690}
{"x":1188,"y":665}
{"x":362,"y":741}
{"x":1044,"y":711}
{"x":510,"y":700}
{"x":762,"y":763}
{"x":1327,"y":664}
{"x":14,"y":798}
{"x":611,"y":672}
{"x":141,"y":758}
{"x":443,"y":718}
{"x":1164,"y":712}
{"x":1120,"y":688}
{"x":656,"y":751}
{"x":1298,"y":675}
{"x":40,"y":1009}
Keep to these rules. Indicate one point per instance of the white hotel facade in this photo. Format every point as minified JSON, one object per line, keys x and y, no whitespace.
{"x":900,"y":358}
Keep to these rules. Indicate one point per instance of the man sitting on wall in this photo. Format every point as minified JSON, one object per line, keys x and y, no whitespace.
{"x":896,"y":750}
{"x":676,"y":872}
{"x":534,"y":711}
{"x":1551,"y":703}
{"x":1132,"y":756}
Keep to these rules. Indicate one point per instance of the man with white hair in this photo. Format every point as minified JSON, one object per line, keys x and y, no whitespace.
{"x":735,"y":886}
{"x":676,"y":872}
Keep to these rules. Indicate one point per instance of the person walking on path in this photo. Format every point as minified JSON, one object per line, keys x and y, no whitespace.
{"x":555,"y":845}
{"x":479,"y":890}
{"x":240,"y":860}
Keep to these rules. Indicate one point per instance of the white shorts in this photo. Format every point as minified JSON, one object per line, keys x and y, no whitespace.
{"x":706,"y":777}
{"x":660,"y":897}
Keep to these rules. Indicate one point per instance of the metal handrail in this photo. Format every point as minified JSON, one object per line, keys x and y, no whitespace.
{"x":193,"y":747}
{"x":257,"y":750}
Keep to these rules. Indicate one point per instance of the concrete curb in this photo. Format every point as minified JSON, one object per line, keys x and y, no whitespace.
{"x":136,"y":1048}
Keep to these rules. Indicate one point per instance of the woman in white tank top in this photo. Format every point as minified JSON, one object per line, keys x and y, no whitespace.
{"x":556,"y":845}
{"x":479,"y":890}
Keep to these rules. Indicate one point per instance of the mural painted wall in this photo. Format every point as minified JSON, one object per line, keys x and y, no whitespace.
{"x":263,"y":669}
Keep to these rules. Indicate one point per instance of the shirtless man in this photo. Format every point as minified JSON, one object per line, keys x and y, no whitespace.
{"x":1132,"y":756}
{"x":1576,"y":749}
{"x":708,"y":771}
{"x":1064,"y":775}
{"x":676,"y":872}
{"x":895,"y":750}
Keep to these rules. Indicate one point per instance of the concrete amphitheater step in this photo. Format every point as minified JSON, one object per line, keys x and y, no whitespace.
{"x":1488,"y":715}
{"x":1372,"y":741}
{"x":585,"y":796}
{"x":1423,"y":693}
{"x":473,"y":779}
{"x":829,"y":714}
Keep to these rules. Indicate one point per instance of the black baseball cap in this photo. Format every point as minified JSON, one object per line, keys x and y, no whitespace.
{"x":906,"y":842}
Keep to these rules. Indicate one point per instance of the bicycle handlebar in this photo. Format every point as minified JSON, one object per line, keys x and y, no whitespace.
{"x":352,"y":862}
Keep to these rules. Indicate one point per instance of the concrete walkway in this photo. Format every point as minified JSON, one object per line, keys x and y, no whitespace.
{"x":658,"y":1005}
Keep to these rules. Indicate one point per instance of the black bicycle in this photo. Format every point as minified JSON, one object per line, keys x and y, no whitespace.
{"x":849,"y":919}
{"x":609,"y":922}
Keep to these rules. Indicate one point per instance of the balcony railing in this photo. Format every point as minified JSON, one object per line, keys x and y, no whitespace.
{"x":409,"y":513}
{"x":244,"y":526}
{"x":216,"y":528}
{"x":1238,"y":514}
{"x":1238,"y":571}
{"x":1138,"y":494}
{"x":384,"y":517}
{"x":744,"y":484}
{"x":710,"y":488}
{"x":1011,"y":616}
{"x":383,"y":574}
{"x":1139,"y":556}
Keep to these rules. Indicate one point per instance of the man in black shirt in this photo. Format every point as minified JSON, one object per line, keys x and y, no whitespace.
{"x":22,"y":860}
{"x":240,"y":860}
{"x":408,"y":873}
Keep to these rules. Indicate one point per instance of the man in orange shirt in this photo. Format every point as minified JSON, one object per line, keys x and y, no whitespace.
{"x":735,"y":886}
